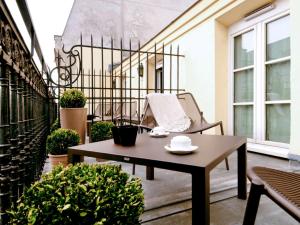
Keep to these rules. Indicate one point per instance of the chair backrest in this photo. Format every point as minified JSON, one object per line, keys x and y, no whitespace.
{"x":189,"y":106}
{"x":191,"y":109}
{"x":126,"y":108}
{"x":107,"y":108}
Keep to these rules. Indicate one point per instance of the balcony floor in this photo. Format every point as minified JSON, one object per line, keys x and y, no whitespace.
{"x":167,"y":198}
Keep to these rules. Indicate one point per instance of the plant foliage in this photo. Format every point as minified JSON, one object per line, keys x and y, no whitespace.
{"x":81,"y":194}
{"x":55,"y":125}
{"x":72,"y":99}
{"x":59,"y":141}
{"x":101,"y":131}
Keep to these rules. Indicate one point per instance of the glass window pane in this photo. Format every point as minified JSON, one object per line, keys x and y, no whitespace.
{"x":278,"y":38}
{"x":244,"y":50}
{"x":243,"y":120}
{"x":278,"y":123}
{"x":278,"y":81}
{"x":243,"y":86}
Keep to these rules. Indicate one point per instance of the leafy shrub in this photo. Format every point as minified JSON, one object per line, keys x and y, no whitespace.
{"x":55,"y":125}
{"x":59,"y":141}
{"x":72,"y":99}
{"x":101,"y":131}
{"x":81,"y":194}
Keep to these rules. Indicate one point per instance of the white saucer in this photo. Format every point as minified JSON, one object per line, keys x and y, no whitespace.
{"x":165,"y":134}
{"x":181,"y":151}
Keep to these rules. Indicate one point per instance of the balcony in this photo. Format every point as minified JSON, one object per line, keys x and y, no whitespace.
{"x":115,"y":77}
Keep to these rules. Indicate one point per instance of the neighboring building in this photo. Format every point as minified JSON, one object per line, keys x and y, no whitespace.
{"x":127,"y":19}
{"x":242,"y":64}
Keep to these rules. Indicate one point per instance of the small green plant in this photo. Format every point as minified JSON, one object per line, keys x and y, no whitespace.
{"x":55,"y":125}
{"x":101,"y":131}
{"x":59,"y":141}
{"x":81,"y":195}
{"x":72,"y":99}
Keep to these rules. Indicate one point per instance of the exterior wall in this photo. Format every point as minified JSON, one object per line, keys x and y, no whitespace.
{"x":295,"y":77}
{"x":202,"y":36}
{"x":199,"y":66}
{"x":120,"y":19}
{"x":221,"y":76}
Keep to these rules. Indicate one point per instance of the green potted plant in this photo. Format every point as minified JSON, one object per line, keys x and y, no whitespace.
{"x":73,"y":115}
{"x":55,"y":125}
{"x":81,"y":194}
{"x":57,"y":145}
{"x":101,"y":131}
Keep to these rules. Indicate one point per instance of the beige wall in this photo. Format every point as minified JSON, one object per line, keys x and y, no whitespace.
{"x":295,"y":76}
{"x":221,"y":76}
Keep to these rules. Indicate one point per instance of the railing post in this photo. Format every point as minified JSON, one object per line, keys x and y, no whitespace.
{"x":5,"y":155}
{"x":13,"y":102}
{"x":21,"y":135}
{"x":28,"y":156}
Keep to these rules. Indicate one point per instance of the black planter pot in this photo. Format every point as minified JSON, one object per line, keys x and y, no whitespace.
{"x":125,"y":135}
{"x":90,"y":117}
{"x":116,"y":135}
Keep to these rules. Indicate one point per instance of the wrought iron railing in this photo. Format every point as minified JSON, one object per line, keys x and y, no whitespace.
{"x":26,"y":111}
{"x":116,"y":79}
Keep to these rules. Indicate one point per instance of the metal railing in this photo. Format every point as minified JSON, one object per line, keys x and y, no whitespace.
{"x":26,"y":112}
{"x":115,"y":79}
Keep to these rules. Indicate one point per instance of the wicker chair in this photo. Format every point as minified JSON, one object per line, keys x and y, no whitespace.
{"x":282,"y":187}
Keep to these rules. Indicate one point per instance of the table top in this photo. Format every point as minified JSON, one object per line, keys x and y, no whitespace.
{"x":151,"y":152}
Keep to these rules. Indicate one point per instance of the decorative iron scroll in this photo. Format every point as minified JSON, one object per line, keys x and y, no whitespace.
{"x":19,"y":58}
{"x":64,"y":68}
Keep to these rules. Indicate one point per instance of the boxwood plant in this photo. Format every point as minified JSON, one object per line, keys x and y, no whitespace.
{"x":72,"y":98}
{"x":101,"y":131}
{"x":81,"y":194}
{"x":59,"y":141}
{"x":55,"y":125}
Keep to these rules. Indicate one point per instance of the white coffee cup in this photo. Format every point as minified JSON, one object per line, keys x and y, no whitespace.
{"x":158,"y":130}
{"x":181,"y":142}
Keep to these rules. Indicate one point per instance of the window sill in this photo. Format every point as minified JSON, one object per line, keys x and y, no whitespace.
{"x":268,"y":150}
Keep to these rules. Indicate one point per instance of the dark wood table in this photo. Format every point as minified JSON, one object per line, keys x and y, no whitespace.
{"x":150,"y":152}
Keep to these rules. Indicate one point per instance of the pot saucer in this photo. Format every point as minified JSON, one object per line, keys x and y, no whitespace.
{"x":181,"y":151}
{"x":164,"y":134}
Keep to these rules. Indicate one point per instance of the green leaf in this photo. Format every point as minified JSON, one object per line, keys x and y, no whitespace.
{"x":67,"y":206}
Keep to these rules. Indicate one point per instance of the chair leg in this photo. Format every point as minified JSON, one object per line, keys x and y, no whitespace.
{"x":252,"y":204}
{"x":227,"y":163}
{"x":133,"y":169}
{"x":222,"y":133}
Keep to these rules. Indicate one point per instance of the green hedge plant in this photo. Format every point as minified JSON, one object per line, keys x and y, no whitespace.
{"x":59,"y":141}
{"x":72,"y":99}
{"x":55,"y":125}
{"x":101,"y":131}
{"x":81,"y":194}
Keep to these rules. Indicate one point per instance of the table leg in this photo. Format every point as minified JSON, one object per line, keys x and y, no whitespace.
{"x":73,"y":159}
{"x":150,"y":173}
{"x":200,"y":198}
{"x":242,"y":167}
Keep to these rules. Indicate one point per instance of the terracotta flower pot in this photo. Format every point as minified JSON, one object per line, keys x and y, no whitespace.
{"x":58,"y":159}
{"x":75,"y":119}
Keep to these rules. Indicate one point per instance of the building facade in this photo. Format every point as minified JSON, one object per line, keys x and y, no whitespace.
{"x":241,"y":65}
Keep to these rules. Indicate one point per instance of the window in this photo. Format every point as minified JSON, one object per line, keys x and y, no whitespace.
{"x":278,"y":80}
{"x":261,"y":81}
{"x":243,"y":84}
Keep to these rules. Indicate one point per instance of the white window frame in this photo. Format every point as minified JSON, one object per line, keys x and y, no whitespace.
{"x":258,"y":25}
